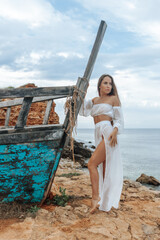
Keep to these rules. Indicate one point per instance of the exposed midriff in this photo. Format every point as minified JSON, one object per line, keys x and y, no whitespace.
{"x":102,"y":117}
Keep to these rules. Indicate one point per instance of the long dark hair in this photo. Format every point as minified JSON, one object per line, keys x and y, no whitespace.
{"x":113,"y":90}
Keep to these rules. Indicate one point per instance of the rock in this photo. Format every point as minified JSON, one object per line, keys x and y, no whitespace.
{"x":68,"y":163}
{"x":36,"y":113}
{"x":77,"y":165}
{"x":93,"y":147}
{"x":130,"y":183}
{"x":42,"y":212}
{"x":81,"y":211}
{"x":81,"y":153}
{"x":101,"y":231}
{"x":64,"y":214}
{"x":147,"y":229}
{"x":67,"y":152}
{"x":79,"y":159}
{"x":28,"y":85}
{"x":148,"y":179}
{"x":18,"y":230}
{"x":132,"y":190}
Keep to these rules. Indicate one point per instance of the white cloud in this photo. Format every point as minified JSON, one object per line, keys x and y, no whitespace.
{"x":55,"y":33}
{"x":70,"y":54}
{"x":32,"y":12}
{"x":141,"y":17}
{"x":18,"y":78}
{"x":109,"y":66}
{"x":137,"y":91}
{"x":36,"y":57}
{"x":33,"y":58}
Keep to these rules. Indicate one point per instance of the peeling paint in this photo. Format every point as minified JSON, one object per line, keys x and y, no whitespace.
{"x":25,"y":170}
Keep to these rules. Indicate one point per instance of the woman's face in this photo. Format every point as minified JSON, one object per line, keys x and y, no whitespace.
{"x":106,"y":86}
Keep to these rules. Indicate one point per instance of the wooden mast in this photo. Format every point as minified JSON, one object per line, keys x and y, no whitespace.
{"x":82,"y":83}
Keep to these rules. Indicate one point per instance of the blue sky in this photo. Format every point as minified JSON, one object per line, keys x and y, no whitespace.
{"x":48,"y":42}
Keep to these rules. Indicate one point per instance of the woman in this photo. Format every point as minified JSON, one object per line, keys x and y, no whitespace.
{"x":107,"y":180}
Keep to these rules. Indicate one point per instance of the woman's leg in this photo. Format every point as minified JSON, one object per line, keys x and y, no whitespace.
{"x":97,"y":157}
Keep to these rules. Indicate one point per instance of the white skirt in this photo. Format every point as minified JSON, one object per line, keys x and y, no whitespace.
{"x":111,"y":187}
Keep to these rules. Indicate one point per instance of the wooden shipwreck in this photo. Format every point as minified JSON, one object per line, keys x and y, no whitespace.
{"x":29,"y":155}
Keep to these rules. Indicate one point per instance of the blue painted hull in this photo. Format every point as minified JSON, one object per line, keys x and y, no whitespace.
{"x":26,"y":170}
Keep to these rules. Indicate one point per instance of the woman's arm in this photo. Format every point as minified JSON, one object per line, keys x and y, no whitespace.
{"x":118,"y":122}
{"x":86,"y":107}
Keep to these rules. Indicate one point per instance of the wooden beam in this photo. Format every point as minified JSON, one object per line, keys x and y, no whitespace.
{"x":34,"y":136}
{"x":47,"y":113}
{"x":95,"y":49}
{"x":32,"y":128}
{"x":36,"y":92}
{"x":19,"y":101}
{"x":22,"y":118}
{"x":7,"y":116}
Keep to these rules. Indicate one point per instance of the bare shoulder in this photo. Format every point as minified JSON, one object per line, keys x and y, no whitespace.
{"x":115,"y":101}
{"x":94,"y":99}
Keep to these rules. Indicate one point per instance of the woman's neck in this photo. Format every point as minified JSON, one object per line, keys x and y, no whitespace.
{"x":103,"y":96}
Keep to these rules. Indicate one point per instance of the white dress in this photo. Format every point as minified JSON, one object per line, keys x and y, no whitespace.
{"x":111,"y":187}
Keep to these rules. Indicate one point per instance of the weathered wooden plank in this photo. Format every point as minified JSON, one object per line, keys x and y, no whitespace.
{"x":36,"y":92}
{"x":34,"y":136}
{"x":19,"y":101}
{"x":95,"y":49}
{"x":7,"y":116}
{"x":22,"y":118}
{"x":52,"y":175}
{"x":32,"y":128}
{"x":47,"y":113}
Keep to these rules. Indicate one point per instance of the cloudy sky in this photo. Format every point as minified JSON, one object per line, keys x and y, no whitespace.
{"x":48,"y":42}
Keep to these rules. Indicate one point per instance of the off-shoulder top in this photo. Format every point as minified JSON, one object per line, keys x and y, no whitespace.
{"x":115,"y":112}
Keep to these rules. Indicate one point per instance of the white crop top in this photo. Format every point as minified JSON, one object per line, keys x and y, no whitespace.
{"x":115,"y":112}
{"x":102,"y":108}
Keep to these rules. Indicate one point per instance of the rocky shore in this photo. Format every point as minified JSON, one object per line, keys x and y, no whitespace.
{"x":81,"y":153}
{"x":138,"y":216}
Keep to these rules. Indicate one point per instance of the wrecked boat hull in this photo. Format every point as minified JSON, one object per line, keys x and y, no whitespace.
{"x":29,"y":155}
{"x":26,"y":170}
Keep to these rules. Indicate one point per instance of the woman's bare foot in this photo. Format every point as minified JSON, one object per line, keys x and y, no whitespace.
{"x":94,"y":204}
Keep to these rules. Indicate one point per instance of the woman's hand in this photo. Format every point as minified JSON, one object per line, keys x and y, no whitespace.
{"x":113,"y":137}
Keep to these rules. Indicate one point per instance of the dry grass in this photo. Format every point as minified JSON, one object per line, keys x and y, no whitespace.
{"x":17,"y":210}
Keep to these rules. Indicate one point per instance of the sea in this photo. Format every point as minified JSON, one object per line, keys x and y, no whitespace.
{"x":140,"y":151}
